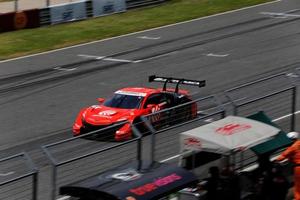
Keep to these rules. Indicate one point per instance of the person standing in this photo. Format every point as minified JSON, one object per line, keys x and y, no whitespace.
{"x":213,"y":184}
{"x":279,"y":184}
{"x":292,"y":154}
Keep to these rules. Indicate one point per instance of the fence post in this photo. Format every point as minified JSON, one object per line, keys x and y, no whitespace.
{"x":54,"y":165}
{"x":139,"y":147}
{"x":293,"y":122}
{"x":53,"y":189}
{"x":35,"y":186}
{"x":16,"y":5}
{"x":153,"y":131}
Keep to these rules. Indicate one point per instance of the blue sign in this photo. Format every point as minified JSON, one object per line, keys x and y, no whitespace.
{"x":105,"y":7}
{"x":68,"y":12}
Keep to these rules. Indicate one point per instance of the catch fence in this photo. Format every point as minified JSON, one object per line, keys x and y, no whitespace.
{"x":93,"y":153}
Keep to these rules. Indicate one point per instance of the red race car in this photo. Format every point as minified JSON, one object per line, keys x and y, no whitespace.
{"x":129,"y":104}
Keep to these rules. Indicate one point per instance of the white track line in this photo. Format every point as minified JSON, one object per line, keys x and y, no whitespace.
{"x":64,"y":69}
{"x":149,"y":38}
{"x":64,"y":198}
{"x":108,"y":58}
{"x":285,"y":116}
{"x":170,"y":25}
{"x":6,"y":174}
{"x":284,"y":15}
{"x":216,"y":55}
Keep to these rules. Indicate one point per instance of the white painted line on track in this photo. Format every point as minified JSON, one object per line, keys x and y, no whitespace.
{"x":149,"y":38}
{"x":64,"y":198}
{"x":90,"y":56}
{"x":279,"y":15}
{"x":144,"y":31}
{"x":171,"y":158}
{"x":108,"y":58}
{"x":159,"y":56}
{"x":6,"y":174}
{"x":216,"y":55}
{"x":119,"y":60}
{"x":292,"y":75}
{"x":285,"y":116}
{"x":64,"y":69}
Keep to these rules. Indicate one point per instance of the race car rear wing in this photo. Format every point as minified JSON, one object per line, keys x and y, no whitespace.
{"x":176,"y":81}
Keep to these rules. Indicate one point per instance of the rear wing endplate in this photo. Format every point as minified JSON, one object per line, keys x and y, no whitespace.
{"x":176,"y":81}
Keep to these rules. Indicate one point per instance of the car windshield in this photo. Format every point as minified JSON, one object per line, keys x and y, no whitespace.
{"x":124,"y":101}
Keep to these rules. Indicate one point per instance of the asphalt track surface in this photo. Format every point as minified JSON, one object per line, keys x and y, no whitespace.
{"x":42,"y":94}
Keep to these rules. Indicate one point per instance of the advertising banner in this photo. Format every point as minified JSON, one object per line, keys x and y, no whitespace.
{"x":19,"y":20}
{"x":105,"y":7}
{"x":68,"y":12}
{"x":130,"y":182}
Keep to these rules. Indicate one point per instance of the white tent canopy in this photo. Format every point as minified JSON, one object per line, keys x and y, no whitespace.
{"x":227,"y":135}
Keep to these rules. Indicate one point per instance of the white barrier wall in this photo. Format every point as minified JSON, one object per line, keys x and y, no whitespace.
{"x":104,"y":7}
{"x":68,"y":12}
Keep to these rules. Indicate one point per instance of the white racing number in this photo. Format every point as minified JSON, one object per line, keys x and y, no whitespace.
{"x":155,"y":117}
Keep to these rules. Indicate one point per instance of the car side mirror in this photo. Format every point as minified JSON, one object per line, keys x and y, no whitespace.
{"x":101,"y":100}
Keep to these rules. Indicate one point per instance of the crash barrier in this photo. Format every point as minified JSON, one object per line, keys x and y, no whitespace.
{"x":279,"y":102}
{"x":19,"y":20}
{"x":140,"y":3}
{"x":80,"y":157}
{"x":18,"y":178}
{"x":67,"y":12}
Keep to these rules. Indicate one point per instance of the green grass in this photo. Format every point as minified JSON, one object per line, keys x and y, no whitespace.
{"x":28,"y":41}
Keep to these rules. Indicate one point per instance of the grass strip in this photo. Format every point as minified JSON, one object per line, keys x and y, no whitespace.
{"x":29,"y":41}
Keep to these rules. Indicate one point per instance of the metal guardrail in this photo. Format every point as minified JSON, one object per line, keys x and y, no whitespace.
{"x":131,"y":4}
{"x":18,"y":178}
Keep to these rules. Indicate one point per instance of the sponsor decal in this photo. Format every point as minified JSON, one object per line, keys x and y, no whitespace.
{"x":108,"y":7}
{"x":107,"y":112}
{"x":155,"y":117}
{"x":230,"y":129}
{"x":126,"y":175}
{"x":20,"y":20}
{"x":67,"y":14}
{"x":192,"y":142}
{"x":156,"y":184}
{"x":139,"y":94}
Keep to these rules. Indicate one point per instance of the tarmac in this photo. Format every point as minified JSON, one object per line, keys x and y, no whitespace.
{"x":19,"y":5}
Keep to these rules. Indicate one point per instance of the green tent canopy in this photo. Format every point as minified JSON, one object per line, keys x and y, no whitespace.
{"x":270,"y":146}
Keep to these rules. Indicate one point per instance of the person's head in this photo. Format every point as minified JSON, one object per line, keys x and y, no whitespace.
{"x":293,"y":135}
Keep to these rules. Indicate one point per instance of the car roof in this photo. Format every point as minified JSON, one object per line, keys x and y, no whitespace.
{"x":143,"y":91}
{"x":139,"y":91}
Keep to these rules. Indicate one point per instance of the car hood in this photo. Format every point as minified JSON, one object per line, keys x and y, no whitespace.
{"x":102,"y":115}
